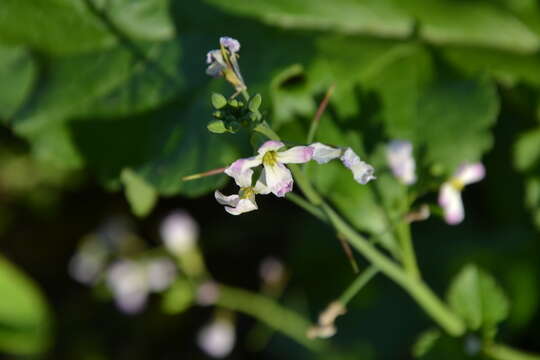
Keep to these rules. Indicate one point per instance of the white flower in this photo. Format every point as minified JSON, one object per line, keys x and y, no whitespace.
{"x":450,"y":191}
{"x":131,"y":281}
{"x":216,"y":63}
{"x":231,"y":44}
{"x":223,"y":62}
{"x":400,"y":158}
{"x":271,"y":271}
{"x":275,"y":174}
{"x":217,"y":338}
{"x":179,"y":232}
{"x":244,"y":201}
{"x":323,"y":153}
{"x":362,"y":171}
{"x":89,"y":261}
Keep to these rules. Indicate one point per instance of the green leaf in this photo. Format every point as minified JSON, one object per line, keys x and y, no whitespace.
{"x":527,"y":151}
{"x":18,"y":72}
{"x":478,"y":299}
{"x":425,"y":341}
{"x":449,"y":117}
{"x":379,"y":17}
{"x":55,"y":26}
{"x":477,"y":23}
{"x":24,"y":317}
{"x":141,"y":196}
{"x":216,"y":127}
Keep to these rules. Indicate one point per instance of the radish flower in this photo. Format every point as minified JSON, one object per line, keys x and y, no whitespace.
{"x":450,"y":192}
{"x":401,"y":161}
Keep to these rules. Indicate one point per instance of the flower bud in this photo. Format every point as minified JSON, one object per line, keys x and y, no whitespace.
{"x":179,"y":232}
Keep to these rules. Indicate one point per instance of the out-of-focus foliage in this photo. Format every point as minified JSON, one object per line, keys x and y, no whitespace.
{"x":24,"y":316}
{"x":117,"y":88}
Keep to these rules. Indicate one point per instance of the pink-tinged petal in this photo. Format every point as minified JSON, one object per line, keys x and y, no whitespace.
{"x":470,"y":173}
{"x":231,"y":200}
{"x":278,"y":179}
{"x":232,"y":44}
{"x":295,"y":155}
{"x":401,"y":161}
{"x":323,"y":153}
{"x":241,"y":172}
{"x":362,"y":171}
{"x":243,"y":206}
{"x":270,"y":145}
{"x":450,"y":201}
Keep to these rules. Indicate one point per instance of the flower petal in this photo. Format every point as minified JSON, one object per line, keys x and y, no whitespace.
{"x":231,"y":200}
{"x":270,"y":145}
{"x":179,"y":232}
{"x":261,"y":188}
{"x":278,"y":179}
{"x":323,"y":153}
{"x":243,"y":206}
{"x":470,"y":173}
{"x":362,"y":171}
{"x":232,"y":44}
{"x":401,"y":161}
{"x":450,"y":201}
{"x":241,"y":172}
{"x":295,"y":155}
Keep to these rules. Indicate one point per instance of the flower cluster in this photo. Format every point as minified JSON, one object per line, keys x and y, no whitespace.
{"x":115,"y":256}
{"x":276,"y":178}
{"x":224,"y":62}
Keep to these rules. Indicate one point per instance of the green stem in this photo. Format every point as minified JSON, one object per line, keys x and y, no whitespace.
{"x":503,"y":352}
{"x":304,"y":184}
{"x":417,"y":289}
{"x":408,"y":256}
{"x":358,"y":284}
{"x":269,"y":312}
{"x":306,"y":205}
{"x":267,"y":131}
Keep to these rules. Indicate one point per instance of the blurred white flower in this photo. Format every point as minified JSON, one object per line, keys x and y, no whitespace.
{"x":131,"y":281}
{"x":323,"y":153}
{"x":399,"y":155}
{"x":450,"y":191}
{"x":179,"y":232}
{"x":271,"y":271}
{"x":217,"y":338}
{"x":89,"y":261}
{"x":207,"y":293}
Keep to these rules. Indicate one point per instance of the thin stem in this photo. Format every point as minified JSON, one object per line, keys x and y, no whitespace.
{"x":417,"y":289}
{"x":304,"y":184}
{"x":203,"y":174}
{"x":358,"y":284}
{"x":503,"y":352}
{"x":306,"y":205}
{"x":408,"y":256}
{"x":269,"y":312}
{"x":317,"y":118}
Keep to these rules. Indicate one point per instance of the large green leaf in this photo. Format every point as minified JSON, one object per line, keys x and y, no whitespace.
{"x":380,"y":17}
{"x":57,"y":26}
{"x":448,"y":116}
{"x":24,"y":317}
{"x":18,"y":72}
{"x":478,"y":299}
{"x":67,"y":27}
{"x":479,"y":23}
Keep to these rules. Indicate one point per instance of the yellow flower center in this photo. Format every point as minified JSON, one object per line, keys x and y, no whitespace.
{"x":247,"y":192}
{"x":270,"y":158}
{"x":457,"y":184}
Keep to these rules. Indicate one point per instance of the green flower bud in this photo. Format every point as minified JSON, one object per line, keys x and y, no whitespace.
{"x":234,"y":126}
{"x":217,"y":126}
{"x":218,"y":114}
{"x":234,"y":103}
{"x":255,"y":103}
{"x":218,"y":101}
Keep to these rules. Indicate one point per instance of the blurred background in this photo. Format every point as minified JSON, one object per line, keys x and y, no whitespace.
{"x":104,"y":106}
